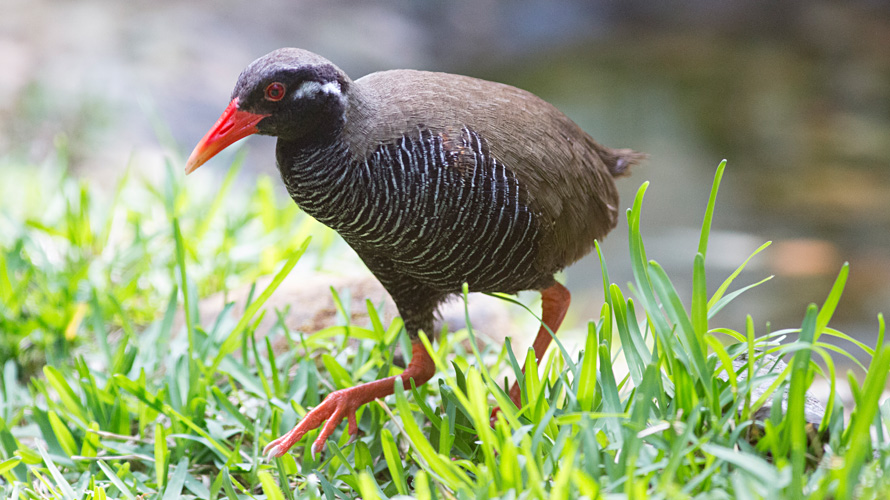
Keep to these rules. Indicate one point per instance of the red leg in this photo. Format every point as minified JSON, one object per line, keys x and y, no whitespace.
{"x":344,"y":403}
{"x":554,"y":304}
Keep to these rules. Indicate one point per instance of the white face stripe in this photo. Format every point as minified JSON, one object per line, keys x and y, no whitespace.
{"x":312,"y":87}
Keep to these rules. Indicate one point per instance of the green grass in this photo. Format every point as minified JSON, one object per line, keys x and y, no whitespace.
{"x":101,"y":398}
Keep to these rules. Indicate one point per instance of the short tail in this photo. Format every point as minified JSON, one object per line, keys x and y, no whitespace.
{"x":619,"y":161}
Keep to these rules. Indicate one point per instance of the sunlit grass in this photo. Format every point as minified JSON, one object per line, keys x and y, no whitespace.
{"x":101,"y":396}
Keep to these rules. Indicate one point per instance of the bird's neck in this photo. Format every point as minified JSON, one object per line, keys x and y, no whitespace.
{"x":318,"y":177}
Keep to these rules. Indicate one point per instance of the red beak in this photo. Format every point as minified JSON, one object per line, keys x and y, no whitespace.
{"x":233,"y":125}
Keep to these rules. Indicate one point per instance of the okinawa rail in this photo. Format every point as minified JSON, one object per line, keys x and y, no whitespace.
{"x":435,"y":180}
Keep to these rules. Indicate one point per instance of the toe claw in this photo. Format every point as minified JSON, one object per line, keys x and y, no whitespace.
{"x":272,"y":451}
{"x":330,"y":412}
{"x":353,"y":426}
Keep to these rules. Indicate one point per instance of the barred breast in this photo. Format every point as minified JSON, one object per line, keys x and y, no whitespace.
{"x":440,"y":208}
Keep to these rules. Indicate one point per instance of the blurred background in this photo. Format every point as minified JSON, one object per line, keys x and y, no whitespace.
{"x":795,"y":94}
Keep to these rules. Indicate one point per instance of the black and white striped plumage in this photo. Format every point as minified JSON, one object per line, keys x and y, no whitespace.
{"x":436,"y":179}
{"x":425,"y":216}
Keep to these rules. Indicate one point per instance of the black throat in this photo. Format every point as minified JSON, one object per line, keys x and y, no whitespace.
{"x":317,"y":176}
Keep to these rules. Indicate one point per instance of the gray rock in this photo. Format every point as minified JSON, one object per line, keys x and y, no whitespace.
{"x":771,"y":365}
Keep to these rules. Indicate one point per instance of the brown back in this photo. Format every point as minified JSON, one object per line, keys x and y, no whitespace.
{"x":567,"y":174}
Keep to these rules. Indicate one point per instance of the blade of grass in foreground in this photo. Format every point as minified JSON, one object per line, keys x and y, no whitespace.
{"x":586,"y":385}
{"x":173,"y":491}
{"x":161,"y":456}
{"x":61,"y":482}
{"x":435,"y":464}
{"x":115,"y":480}
{"x":190,"y":308}
{"x":231,"y":341}
{"x":796,"y":420}
{"x":699,"y":309}
{"x":394,"y":461}
{"x":751,"y":464}
{"x":673,"y":306}
{"x":831,"y":301}
{"x":859,"y":437}
{"x":270,"y":488}
{"x":709,"y":212}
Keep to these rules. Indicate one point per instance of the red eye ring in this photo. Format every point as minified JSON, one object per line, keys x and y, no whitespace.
{"x":275,"y":91}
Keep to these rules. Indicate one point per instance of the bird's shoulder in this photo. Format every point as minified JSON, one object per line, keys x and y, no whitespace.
{"x":523,"y":131}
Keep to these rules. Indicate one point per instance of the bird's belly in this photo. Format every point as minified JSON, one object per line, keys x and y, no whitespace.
{"x":482,"y":246}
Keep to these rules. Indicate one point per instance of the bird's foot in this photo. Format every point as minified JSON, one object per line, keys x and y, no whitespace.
{"x":337,"y":406}
{"x":344,"y":403}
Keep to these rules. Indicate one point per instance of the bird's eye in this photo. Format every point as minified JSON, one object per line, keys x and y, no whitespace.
{"x":275,"y":91}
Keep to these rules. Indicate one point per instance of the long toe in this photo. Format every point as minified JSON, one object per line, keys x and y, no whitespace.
{"x":337,"y":406}
{"x":343,"y":404}
{"x":279,"y":446}
{"x":329,"y":428}
{"x":312,"y":420}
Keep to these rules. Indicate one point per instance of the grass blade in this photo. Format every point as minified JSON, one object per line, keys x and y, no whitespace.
{"x":270,"y":487}
{"x":173,"y":491}
{"x":831,"y":301}
{"x":116,"y":481}
{"x":231,"y":342}
{"x":709,"y":212}
{"x":161,"y":454}
{"x":800,"y":379}
{"x":859,"y":436}
{"x":61,"y":483}
{"x":586,"y":386}
{"x":394,"y":461}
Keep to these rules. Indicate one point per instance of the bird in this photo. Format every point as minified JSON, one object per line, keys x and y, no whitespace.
{"x":436,"y":180}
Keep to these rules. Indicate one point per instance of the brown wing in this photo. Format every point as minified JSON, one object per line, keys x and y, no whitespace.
{"x":567,"y":174}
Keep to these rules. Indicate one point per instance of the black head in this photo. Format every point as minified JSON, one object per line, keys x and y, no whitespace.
{"x":302,"y":93}
{"x":292,"y":94}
